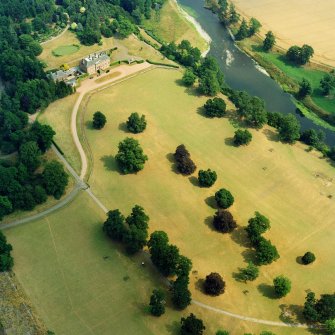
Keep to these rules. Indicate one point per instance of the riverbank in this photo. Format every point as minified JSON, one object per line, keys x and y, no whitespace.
{"x":197,"y":26}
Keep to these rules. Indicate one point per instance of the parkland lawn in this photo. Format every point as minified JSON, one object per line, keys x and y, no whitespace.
{"x":292,"y":187}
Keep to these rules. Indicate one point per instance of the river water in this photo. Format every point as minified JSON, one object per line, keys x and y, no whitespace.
{"x":242,"y":73}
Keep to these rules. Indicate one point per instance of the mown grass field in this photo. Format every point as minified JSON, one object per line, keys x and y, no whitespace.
{"x":58,"y":116}
{"x":287,"y":184}
{"x":169,"y":25}
{"x":298,"y":73}
{"x":64,"y":50}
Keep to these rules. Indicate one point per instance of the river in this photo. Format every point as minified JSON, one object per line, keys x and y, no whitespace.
{"x":242,"y":73}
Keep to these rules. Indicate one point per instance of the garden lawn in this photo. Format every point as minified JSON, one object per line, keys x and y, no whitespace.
{"x":58,"y":116}
{"x":170,"y":25}
{"x":64,"y":50}
{"x":292,"y":187}
{"x":298,"y":73}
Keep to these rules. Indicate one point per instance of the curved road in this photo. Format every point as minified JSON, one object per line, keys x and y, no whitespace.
{"x":125,"y":72}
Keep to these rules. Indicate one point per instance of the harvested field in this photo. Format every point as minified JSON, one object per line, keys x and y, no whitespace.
{"x":296,"y":22}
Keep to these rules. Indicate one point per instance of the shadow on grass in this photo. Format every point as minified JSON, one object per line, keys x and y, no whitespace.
{"x":211,"y":202}
{"x":199,"y":285}
{"x":188,"y":90}
{"x":123,"y":127}
{"x":299,"y":260}
{"x":89,"y":125}
{"x":267,"y":291}
{"x":194,"y":181}
{"x":240,"y":236}
{"x":170,"y":158}
{"x":271,"y":135}
{"x":209,"y":223}
{"x":291,"y":314}
{"x":249,"y":255}
{"x":201,"y":111}
{"x":110,"y":163}
{"x":173,"y":328}
{"x":234,"y":119}
{"x":230,"y":141}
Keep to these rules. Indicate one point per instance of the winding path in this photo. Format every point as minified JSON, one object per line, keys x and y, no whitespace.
{"x":87,"y":86}
{"x":57,"y":36}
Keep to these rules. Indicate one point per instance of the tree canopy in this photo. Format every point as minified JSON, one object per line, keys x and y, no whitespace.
{"x":136,"y":123}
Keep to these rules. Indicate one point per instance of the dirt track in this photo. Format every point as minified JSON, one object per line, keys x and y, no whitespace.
{"x":296,"y":22}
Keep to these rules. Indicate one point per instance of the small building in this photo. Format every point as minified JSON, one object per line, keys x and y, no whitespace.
{"x":68,"y":76}
{"x":95,"y":62}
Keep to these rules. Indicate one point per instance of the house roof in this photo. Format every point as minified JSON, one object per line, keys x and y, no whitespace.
{"x":95,"y":58}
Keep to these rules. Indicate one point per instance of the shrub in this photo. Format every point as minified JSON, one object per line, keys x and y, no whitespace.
{"x":6,"y":260}
{"x":181,"y":295}
{"x":207,"y":178}
{"x":308,"y":258}
{"x":157,"y":303}
{"x":242,"y":137}
{"x":136,"y":124}
{"x":224,"y":221}
{"x":99,"y":120}
{"x":250,"y":273}
{"x":282,"y":286}
{"x":266,"y":253}
{"x":224,"y":198}
{"x":214,"y":284}
{"x":257,"y":226}
{"x":215,"y":107}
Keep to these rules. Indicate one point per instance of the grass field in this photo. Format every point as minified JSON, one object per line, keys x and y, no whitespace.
{"x":289,"y":185}
{"x":65,"y":50}
{"x":169,"y":25}
{"x":296,"y":23}
{"x":298,"y":73}
{"x":60,"y":264}
{"x":58,"y":116}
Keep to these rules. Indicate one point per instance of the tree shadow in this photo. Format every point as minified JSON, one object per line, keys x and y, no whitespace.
{"x":194,"y":181}
{"x":249,"y":255}
{"x":143,"y":308}
{"x":170,"y":158}
{"x":179,"y":82}
{"x":201,"y":111}
{"x":240,"y":236}
{"x":229,"y":141}
{"x":291,"y":314}
{"x":234,"y":119}
{"x":299,"y":260}
{"x":89,"y":125}
{"x":267,"y":291}
{"x":257,"y":48}
{"x":123,"y":127}
{"x":110,"y":163}
{"x":199,"y":285}
{"x":209,"y":223}
{"x":271,"y":135}
{"x":211,"y":202}
{"x":173,"y":328}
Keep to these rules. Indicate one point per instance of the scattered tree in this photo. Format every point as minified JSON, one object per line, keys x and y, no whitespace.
{"x":224,"y":222}
{"x":313,"y":137}
{"x":242,"y":137}
{"x":181,"y":295}
{"x":250,"y":273}
{"x":298,"y":55}
{"x":30,"y":155}
{"x":289,"y":129}
{"x":207,"y":178}
{"x":55,"y":179}
{"x":189,"y":78}
{"x":243,"y":31}
{"x":99,"y":120}
{"x":157,"y":303}
{"x":6,"y":206}
{"x":130,"y":157}
{"x":214,"y":284}
{"x":254,"y":26}
{"x":224,"y":198}
{"x":269,"y":41}
{"x":257,"y":226}
{"x":185,"y":165}
{"x":222,"y":332}
{"x":192,"y":326}
{"x":6,"y":260}
{"x":308,"y":258}
{"x":305,"y":88}
{"x":266,"y":253}
{"x":282,"y":286}
{"x":330,"y":326}
{"x":114,"y":225}
{"x":215,"y":107}
{"x":327,"y":83}
{"x":136,"y":124}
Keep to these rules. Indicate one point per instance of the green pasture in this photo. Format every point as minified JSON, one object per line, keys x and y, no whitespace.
{"x":298,"y":73}
{"x":292,"y":187}
{"x":64,"y":50}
